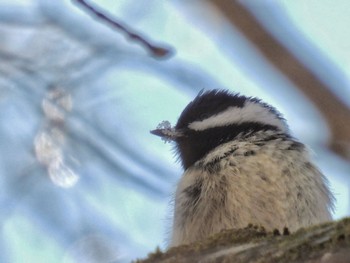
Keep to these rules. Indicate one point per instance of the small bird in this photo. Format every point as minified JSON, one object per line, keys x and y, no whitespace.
{"x":241,"y":166}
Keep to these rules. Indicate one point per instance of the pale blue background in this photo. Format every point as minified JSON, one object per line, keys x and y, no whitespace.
{"x":118,"y":209}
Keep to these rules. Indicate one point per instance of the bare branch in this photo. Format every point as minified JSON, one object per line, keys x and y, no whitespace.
{"x":336,"y":113}
{"x":156,"y":51}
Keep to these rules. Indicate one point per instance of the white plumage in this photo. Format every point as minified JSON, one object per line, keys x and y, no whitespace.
{"x":252,"y":111}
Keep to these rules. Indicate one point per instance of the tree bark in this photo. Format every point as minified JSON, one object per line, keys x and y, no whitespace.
{"x":326,"y":243}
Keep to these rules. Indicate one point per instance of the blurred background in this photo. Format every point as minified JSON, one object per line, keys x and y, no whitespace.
{"x":81,"y":177}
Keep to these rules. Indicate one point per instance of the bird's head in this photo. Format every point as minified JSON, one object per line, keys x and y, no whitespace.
{"x":215,"y":117}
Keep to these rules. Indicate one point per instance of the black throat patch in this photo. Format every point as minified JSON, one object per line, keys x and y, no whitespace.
{"x":197,"y":144}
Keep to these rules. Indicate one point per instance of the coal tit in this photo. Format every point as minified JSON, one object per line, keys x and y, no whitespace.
{"x":241,"y":166}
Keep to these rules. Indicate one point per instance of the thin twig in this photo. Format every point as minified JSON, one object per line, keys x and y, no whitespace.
{"x":155,"y":50}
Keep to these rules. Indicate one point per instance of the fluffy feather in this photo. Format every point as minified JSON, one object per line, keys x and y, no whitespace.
{"x":241,"y":167}
{"x":273,"y":185}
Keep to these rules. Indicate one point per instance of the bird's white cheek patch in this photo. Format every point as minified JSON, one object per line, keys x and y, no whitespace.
{"x":251,"y":112}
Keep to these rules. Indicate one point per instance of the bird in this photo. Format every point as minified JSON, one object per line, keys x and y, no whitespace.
{"x":241,"y":166}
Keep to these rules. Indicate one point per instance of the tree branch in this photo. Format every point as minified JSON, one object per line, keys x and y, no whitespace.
{"x":326,"y":243}
{"x":156,"y":51}
{"x":336,"y":113}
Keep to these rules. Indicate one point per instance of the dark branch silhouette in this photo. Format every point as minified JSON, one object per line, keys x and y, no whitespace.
{"x":156,"y":51}
{"x":336,"y":113}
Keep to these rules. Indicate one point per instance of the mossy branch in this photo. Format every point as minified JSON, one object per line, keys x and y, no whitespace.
{"x":326,"y":243}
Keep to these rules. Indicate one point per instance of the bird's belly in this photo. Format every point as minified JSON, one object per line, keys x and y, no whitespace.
{"x":206,"y":204}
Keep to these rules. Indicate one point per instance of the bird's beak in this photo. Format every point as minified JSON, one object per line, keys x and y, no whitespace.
{"x":158,"y":132}
{"x":167,"y":134}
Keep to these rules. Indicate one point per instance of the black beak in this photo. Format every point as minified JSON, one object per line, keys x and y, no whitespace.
{"x":158,"y":132}
{"x":168,"y":134}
